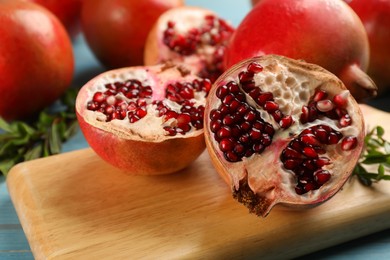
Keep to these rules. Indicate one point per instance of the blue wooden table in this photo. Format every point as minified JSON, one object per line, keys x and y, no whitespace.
{"x":13,"y":243}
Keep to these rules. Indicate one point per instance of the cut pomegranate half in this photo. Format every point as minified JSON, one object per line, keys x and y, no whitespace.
{"x":145,"y":120}
{"x":282,"y":131}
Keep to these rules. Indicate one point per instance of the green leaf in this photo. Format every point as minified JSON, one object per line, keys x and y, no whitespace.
{"x":54,"y":139}
{"x":4,"y":125}
{"x":380,"y":131}
{"x":376,"y":158}
{"x":33,"y":153}
{"x":6,"y":165}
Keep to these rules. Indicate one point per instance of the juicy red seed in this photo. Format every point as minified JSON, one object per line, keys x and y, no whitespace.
{"x":221,"y":91}
{"x":320,"y":95}
{"x":333,"y":138}
{"x":286,"y":122}
{"x":266,"y":140}
{"x":271,"y":106}
{"x":255,"y":134}
{"x":224,"y":132}
{"x":254,"y":67}
{"x":322,"y":176}
{"x":322,"y":161}
{"x":309,"y":186}
{"x":345,"y":120}
{"x":264,"y":97}
{"x":250,"y":116}
{"x":309,"y":139}
{"x":309,"y":164}
{"x":325,"y":105}
{"x":304,"y":118}
{"x":254,"y":93}
{"x":349,"y":143}
{"x":321,"y":135}
{"x":245,"y":126}
{"x":233,"y":87}
{"x":226,"y":144}
{"x":98,"y":97}
{"x":291,"y":164}
{"x":291,"y":153}
{"x":215,"y":126}
{"x":340,"y":100}
{"x":245,"y":77}
{"x":232,"y":157}
{"x":215,"y":114}
{"x":183,"y":119}
{"x":310,"y":152}
{"x":258,"y":148}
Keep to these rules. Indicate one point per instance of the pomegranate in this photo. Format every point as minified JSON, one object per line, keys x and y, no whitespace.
{"x":144,"y":120}
{"x":303,"y":30}
{"x":282,"y":131}
{"x":191,"y":35}
{"x":375,"y":15}
{"x":116,"y":30}
{"x":36,"y":59}
{"x":67,"y":11}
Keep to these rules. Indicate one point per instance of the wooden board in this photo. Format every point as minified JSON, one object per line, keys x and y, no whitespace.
{"x":75,"y":206}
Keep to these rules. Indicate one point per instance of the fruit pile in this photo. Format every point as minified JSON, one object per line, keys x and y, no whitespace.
{"x":273,"y":100}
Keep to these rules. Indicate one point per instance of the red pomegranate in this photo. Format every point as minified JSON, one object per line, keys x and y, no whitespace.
{"x":144,"y":120}
{"x":303,"y":30}
{"x":191,"y":35}
{"x":36,"y":59}
{"x":375,"y":15}
{"x":67,"y":11}
{"x":282,"y":131}
{"x":116,"y":30}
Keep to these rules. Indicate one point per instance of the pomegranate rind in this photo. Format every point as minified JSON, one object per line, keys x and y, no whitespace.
{"x":137,"y":151}
{"x":260,"y":182}
{"x":304,"y":31}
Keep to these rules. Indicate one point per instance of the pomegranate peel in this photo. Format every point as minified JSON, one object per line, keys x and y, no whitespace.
{"x":190,"y":35}
{"x":304,"y":31}
{"x":132,"y":120}
{"x":300,"y":152}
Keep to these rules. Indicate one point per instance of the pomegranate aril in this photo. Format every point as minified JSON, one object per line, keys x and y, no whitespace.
{"x":224,"y":132}
{"x":98,"y":97}
{"x":245,"y":77}
{"x":290,"y":153}
{"x":345,"y":120}
{"x":310,"y":152}
{"x":334,"y":138}
{"x":320,"y":95}
{"x":291,"y":164}
{"x":340,"y":100}
{"x":322,"y":161}
{"x":309,"y":139}
{"x":254,"y":67}
{"x":286,"y":122}
{"x":222,"y":91}
{"x":264,"y":97}
{"x":322,"y":176}
{"x":349,"y":143}
{"x":325,"y":105}
{"x":270,"y":106}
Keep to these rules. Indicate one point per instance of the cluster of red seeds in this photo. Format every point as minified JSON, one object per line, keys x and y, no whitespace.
{"x":214,"y":32}
{"x":263,"y":99}
{"x":321,"y":105}
{"x":238,"y":127}
{"x":130,"y":99}
{"x":302,"y":156}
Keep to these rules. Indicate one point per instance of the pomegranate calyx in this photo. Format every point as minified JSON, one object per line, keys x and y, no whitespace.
{"x":358,"y":82}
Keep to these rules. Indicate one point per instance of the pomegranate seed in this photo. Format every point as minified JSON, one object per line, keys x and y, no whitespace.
{"x":345,"y":120}
{"x":309,"y":139}
{"x":310,"y":152}
{"x":319,"y":95}
{"x":333,"y":138}
{"x":270,"y":106}
{"x":309,"y":164}
{"x":98,"y":97}
{"x":264,"y":97}
{"x":291,"y":164}
{"x":224,"y":132}
{"x":291,"y":153}
{"x":215,"y":126}
{"x":254,"y":93}
{"x":250,"y":116}
{"x":232,"y":87}
{"x":340,"y":100}
{"x":324,"y":105}
{"x":255,"y":134}
{"x":322,"y":161}
{"x":309,"y":186}
{"x":183,"y":119}
{"x":231,"y":156}
{"x":221,"y":91}
{"x":226,"y":144}
{"x":321,"y":134}
{"x":286,"y":122}
{"x":254,"y":67}
{"x":321,"y":176}
{"x":304,"y":118}
{"x":349,"y":143}
{"x":245,"y":77}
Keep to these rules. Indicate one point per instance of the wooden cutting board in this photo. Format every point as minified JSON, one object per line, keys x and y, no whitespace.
{"x":75,"y":206}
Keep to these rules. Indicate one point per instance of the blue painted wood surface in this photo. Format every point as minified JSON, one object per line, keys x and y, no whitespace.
{"x":13,"y":243}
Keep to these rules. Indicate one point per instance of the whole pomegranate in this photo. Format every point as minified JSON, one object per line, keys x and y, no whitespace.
{"x":144,"y":120}
{"x":67,"y":11}
{"x":36,"y":59}
{"x":323,"y":32}
{"x":191,"y":35}
{"x":116,"y":30}
{"x":282,"y":131}
{"x":375,"y":15}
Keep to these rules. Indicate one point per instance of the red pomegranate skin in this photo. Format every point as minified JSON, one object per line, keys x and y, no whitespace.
{"x":36,"y":59}
{"x":375,"y":15}
{"x":323,"y":32}
{"x":68,"y":11}
{"x":116,"y":30}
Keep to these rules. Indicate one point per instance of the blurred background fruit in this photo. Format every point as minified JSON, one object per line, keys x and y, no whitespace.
{"x":36,"y":59}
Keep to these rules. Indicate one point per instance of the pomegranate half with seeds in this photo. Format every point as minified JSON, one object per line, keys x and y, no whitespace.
{"x":144,"y":120}
{"x":194,"y":36}
{"x":282,"y":131}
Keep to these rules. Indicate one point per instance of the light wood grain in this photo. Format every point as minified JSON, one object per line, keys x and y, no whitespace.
{"x":75,"y":206}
